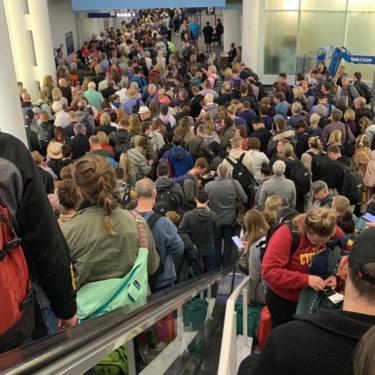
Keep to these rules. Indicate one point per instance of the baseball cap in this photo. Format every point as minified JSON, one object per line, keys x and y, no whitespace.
{"x":363,"y":252}
{"x":37,"y":110}
{"x":143,"y":109}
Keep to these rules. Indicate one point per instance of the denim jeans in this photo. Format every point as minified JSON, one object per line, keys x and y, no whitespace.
{"x":224,"y":254}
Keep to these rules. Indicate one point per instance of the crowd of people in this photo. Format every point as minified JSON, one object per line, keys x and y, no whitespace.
{"x":201,"y":152}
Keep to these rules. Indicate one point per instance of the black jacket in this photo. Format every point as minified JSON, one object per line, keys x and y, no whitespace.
{"x":46,"y":179}
{"x":80,"y":145}
{"x":319,"y":344}
{"x":107,"y":129}
{"x":264,"y":136}
{"x":200,"y":225}
{"x":43,"y":243}
{"x":335,"y":175}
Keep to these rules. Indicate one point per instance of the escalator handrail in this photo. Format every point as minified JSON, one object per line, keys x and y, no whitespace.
{"x":104,"y":331}
{"x":227,"y":351}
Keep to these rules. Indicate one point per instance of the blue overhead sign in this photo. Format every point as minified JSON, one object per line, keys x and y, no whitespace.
{"x":100,"y":5}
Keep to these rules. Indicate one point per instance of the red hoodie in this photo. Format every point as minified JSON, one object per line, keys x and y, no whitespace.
{"x":286,"y":275}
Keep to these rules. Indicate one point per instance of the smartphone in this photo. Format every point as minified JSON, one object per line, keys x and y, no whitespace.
{"x":238,"y":242}
{"x":369,"y":217}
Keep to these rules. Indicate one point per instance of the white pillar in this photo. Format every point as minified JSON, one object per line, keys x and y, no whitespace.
{"x":231,"y":23}
{"x":41,"y":29}
{"x":11,"y":114}
{"x":251,"y":22}
{"x":22,"y":46}
{"x":88,"y":26}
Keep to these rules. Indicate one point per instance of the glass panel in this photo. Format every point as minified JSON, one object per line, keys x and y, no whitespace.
{"x":365,"y":5}
{"x":319,"y":29}
{"x":357,"y":44}
{"x":282,"y":4}
{"x":323,"y":5}
{"x":281,"y":40}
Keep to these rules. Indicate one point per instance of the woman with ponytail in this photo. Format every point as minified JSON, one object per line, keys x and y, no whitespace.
{"x":102,"y":237}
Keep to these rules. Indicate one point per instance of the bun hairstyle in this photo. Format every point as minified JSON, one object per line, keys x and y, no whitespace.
{"x":314,"y":142}
{"x":320,"y":221}
{"x":96,"y":181}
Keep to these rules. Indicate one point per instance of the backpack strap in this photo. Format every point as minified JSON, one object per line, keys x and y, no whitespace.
{"x":231,"y":162}
{"x":295,"y":236}
{"x":151,"y":221}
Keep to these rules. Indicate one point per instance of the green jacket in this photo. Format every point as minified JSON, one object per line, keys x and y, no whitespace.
{"x":96,"y":255}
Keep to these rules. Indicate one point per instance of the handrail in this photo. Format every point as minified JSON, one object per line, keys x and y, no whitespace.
{"x":228,"y":351}
{"x":80,"y":348}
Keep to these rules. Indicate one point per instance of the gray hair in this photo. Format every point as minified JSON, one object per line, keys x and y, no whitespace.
{"x":79,"y":128}
{"x":296,"y":107}
{"x":145,"y":188}
{"x":318,"y":186}
{"x":223,"y":170}
{"x":278,"y":168}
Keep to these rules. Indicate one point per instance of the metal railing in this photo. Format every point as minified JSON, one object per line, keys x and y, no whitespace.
{"x":80,"y":348}
{"x":228,"y":351}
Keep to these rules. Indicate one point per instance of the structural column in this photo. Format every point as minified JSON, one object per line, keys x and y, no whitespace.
{"x":231,"y":23}
{"x":11,"y":114}
{"x":38,"y":21}
{"x":88,"y":27}
{"x":22,"y":46}
{"x":251,"y":18}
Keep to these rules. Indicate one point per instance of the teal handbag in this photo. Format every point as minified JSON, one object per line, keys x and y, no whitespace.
{"x":130,"y":292}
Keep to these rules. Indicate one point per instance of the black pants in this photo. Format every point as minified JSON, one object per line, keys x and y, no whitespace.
{"x":281,"y":309}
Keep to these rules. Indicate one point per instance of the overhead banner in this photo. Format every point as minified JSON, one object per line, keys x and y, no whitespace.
{"x":108,"y":5}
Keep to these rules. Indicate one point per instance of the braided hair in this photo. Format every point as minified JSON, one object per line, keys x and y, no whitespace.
{"x":96,"y":181}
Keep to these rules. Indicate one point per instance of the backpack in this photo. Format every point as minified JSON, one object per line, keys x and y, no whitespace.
{"x":166,"y":200}
{"x":319,"y":165}
{"x":122,"y":143}
{"x":244,"y":177}
{"x":152,"y":279}
{"x":351,"y":184}
{"x":17,"y":318}
{"x":263,"y":243}
{"x":301,"y":177}
{"x":236,"y":89}
{"x":364,"y":91}
{"x":136,"y":107}
{"x":45,"y":132}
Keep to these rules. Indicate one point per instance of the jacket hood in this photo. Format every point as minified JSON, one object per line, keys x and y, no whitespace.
{"x":284,"y":134}
{"x":202,"y":215}
{"x":177,"y":153}
{"x":328,"y":320}
{"x":163,"y":183}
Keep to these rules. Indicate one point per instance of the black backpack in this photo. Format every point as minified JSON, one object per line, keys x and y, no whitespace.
{"x":301,"y":177}
{"x":319,"y":165}
{"x":244,"y":177}
{"x":167,"y":200}
{"x":262,"y":244}
{"x":236,"y":89}
{"x":152,"y":279}
{"x":136,"y":107}
{"x":351,"y":184}
{"x":122,"y":143}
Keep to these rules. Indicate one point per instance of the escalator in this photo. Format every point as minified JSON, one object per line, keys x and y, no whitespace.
{"x":194,"y":350}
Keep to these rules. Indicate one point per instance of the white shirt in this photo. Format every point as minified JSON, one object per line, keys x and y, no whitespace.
{"x":257,"y":159}
{"x":62,"y":119}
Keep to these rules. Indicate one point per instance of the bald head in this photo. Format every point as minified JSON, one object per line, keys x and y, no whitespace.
{"x":145,"y":189}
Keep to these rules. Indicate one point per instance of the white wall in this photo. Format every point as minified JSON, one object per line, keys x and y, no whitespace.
{"x":62,"y":20}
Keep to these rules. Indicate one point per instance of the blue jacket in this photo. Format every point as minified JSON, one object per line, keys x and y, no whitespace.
{"x":181,"y":160}
{"x":168,"y":244}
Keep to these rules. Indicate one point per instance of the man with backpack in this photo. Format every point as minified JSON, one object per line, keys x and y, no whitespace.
{"x":169,"y":194}
{"x":343,"y":176}
{"x":362,"y":88}
{"x":329,"y":341}
{"x":240,"y":167}
{"x":26,"y":216}
{"x":120,"y":139}
{"x":202,"y":226}
{"x":226,"y":197}
{"x":168,"y":242}
{"x":190,"y":182}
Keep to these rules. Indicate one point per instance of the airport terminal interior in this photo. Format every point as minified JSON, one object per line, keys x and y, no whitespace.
{"x":187,"y":187}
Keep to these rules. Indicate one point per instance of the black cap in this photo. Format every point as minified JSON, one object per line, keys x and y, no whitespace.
{"x":363,"y":252}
